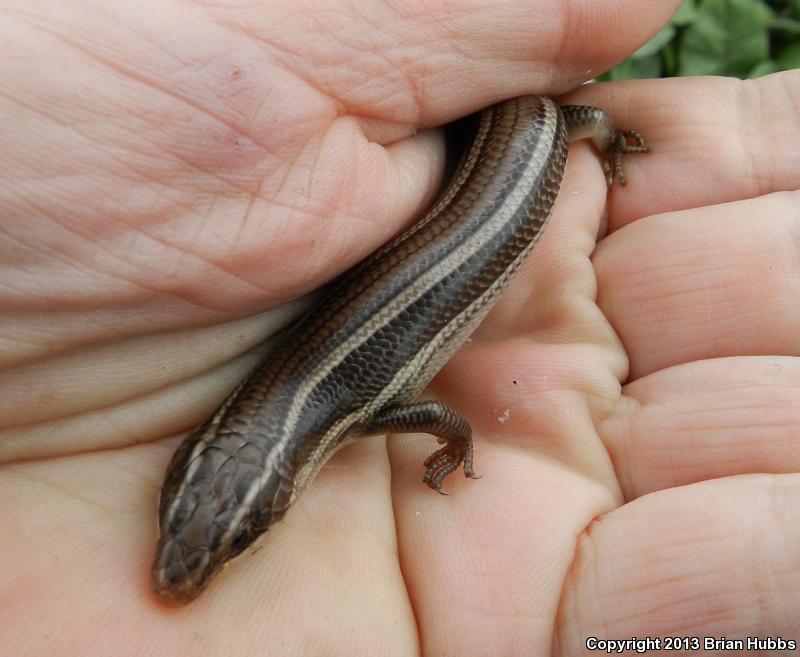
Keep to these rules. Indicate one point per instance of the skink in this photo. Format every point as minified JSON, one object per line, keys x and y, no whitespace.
{"x":354,"y":365}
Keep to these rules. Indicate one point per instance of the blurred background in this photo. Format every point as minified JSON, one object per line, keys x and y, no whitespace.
{"x":740,"y":38}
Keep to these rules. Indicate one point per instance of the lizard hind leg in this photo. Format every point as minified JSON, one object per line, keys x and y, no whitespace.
{"x":451,"y":429}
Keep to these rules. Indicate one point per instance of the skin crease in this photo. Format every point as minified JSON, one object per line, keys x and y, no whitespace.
{"x":173,"y":168}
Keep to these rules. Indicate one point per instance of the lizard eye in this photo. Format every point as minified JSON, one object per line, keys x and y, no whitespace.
{"x":240,"y":542}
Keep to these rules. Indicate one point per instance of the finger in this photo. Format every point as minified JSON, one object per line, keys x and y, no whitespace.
{"x":704,"y":283}
{"x":711,"y":559}
{"x":704,"y":420}
{"x":551,"y":299}
{"x":428,"y":63}
{"x":714,"y":140}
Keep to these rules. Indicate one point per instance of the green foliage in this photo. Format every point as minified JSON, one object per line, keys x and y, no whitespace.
{"x":740,"y":38}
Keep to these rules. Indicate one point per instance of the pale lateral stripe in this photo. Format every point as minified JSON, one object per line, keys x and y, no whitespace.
{"x":440,"y":207}
{"x":454,"y":328}
{"x":404,"y":298}
{"x":307,"y":472}
{"x":194,"y":462}
{"x":244,"y":507}
{"x":405,"y":374}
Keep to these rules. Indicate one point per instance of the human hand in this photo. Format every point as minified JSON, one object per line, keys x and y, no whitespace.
{"x":700,"y":289}
{"x":184,"y":186}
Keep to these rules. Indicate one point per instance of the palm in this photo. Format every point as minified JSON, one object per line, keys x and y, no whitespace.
{"x":236,"y":185}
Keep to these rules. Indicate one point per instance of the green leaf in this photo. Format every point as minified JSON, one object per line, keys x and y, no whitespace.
{"x":645,"y":67}
{"x":795,"y":4}
{"x":764,"y":68}
{"x":783,"y":24}
{"x":745,"y":38}
{"x":729,"y":37}
{"x":789,"y":57}
{"x":687,"y":13}
{"x":670,"y":59}
{"x":664,"y":36}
